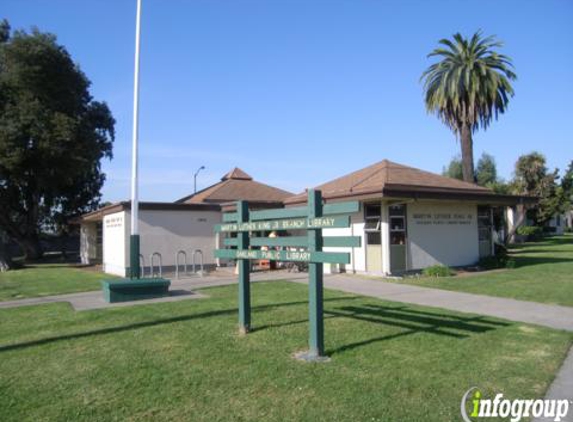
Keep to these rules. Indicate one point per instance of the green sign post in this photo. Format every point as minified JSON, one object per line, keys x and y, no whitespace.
{"x":312,"y":218}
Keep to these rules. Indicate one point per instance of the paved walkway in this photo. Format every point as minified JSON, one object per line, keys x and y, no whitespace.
{"x":562,"y":388}
{"x":183,"y":289}
{"x":553,"y":316}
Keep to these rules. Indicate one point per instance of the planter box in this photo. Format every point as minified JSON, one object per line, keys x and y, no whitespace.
{"x":127,"y":290}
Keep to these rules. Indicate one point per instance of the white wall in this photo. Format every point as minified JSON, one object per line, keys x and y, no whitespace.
{"x":357,"y":255}
{"x":558,"y":221}
{"x":115,"y":241}
{"x":442,"y":233}
{"x":167,"y":232}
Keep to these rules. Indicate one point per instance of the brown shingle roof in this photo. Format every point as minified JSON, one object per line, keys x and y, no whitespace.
{"x":237,"y":174}
{"x":387,"y":178}
{"x":236,"y":185}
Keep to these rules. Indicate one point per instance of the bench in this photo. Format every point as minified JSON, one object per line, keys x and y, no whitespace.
{"x":125,"y":290}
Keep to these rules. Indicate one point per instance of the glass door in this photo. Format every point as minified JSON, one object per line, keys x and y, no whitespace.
{"x":485,"y":231}
{"x":398,"y":236}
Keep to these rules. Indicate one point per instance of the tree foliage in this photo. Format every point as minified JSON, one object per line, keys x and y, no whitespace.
{"x":468,"y":87}
{"x":567,"y":183}
{"x":53,"y":136}
{"x":486,"y":170}
{"x":454,"y":169}
{"x":532,"y":177}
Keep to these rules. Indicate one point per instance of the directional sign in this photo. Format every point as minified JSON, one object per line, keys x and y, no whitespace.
{"x":288,"y":224}
{"x":298,"y":241}
{"x":304,"y":256}
{"x":313,"y":218}
{"x":294,"y":212}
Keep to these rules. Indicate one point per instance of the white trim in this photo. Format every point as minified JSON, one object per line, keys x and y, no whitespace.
{"x":385,"y":236}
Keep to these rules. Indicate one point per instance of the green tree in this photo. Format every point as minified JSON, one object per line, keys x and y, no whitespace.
{"x":468,"y":88}
{"x":486,"y":170}
{"x":454,"y":169}
{"x":567,"y":183}
{"x":533,"y":178}
{"x":53,"y":136}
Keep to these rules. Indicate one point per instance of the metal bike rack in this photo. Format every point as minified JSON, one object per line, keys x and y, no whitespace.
{"x":141,"y":266}
{"x":195,"y":252}
{"x":177,"y":263}
{"x":151,"y":273}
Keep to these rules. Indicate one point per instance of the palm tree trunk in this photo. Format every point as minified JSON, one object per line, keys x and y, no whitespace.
{"x":467,"y":154}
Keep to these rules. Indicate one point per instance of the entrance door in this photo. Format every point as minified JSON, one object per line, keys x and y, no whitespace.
{"x":372,"y":218}
{"x":397,"y":227}
{"x":485,"y":231}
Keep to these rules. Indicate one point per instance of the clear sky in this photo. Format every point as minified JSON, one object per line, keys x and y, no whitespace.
{"x":299,"y":92}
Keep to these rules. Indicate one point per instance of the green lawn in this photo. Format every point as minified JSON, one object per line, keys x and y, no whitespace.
{"x":46,"y":280}
{"x":183,"y":361}
{"x":544,"y":274}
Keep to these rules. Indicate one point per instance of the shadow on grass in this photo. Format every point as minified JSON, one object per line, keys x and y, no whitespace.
{"x":145,"y":324}
{"x":413,"y":322}
{"x":528,"y":261}
{"x":540,"y":251}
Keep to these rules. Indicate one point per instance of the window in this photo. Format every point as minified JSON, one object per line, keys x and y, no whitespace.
{"x":397,"y":210}
{"x":397,"y":224}
{"x":372,"y":213}
{"x":484,"y":223}
{"x":373,"y":238}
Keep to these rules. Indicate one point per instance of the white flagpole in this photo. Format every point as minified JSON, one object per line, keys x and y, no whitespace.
{"x":134,"y":239}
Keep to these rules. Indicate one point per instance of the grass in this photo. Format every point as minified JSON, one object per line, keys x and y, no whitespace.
{"x":48,"y":279}
{"x":183,"y":361}
{"x":543,"y":273}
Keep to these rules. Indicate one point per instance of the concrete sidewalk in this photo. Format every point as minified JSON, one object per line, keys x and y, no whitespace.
{"x":183,"y":289}
{"x":553,"y":316}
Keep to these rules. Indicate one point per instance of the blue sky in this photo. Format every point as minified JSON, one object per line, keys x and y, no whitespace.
{"x":299,"y":92}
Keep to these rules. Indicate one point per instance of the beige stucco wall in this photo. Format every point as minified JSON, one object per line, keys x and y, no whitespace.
{"x":357,"y":255}
{"x":167,"y":232}
{"x":441,"y":233}
{"x":115,"y":240}
{"x":432,"y":239}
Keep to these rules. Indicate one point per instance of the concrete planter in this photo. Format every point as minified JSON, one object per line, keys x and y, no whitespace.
{"x":127,"y":290}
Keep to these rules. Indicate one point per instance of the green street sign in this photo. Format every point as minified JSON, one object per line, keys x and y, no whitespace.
{"x":298,"y":241}
{"x":313,"y":218}
{"x":294,"y":212}
{"x":298,"y":256}
{"x":288,"y":224}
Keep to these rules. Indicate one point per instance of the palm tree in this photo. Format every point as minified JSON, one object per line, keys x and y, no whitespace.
{"x":468,"y":87}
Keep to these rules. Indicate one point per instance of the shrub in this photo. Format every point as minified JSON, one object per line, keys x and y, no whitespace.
{"x":568,"y":229}
{"x":438,"y":271}
{"x":532,"y":232}
{"x":497,"y":261}
{"x":510,"y":263}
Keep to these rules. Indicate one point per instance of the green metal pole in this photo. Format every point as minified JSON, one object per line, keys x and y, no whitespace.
{"x":315,"y":280}
{"x":134,"y":251}
{"x":244,"y":272}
